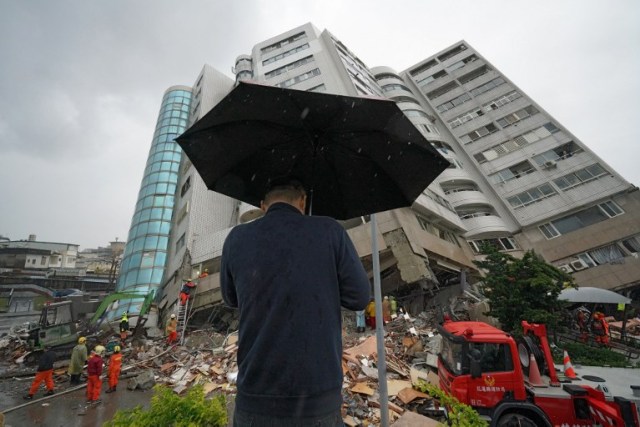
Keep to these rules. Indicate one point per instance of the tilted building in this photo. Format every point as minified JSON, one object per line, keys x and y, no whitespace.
{"x":518,"y":179}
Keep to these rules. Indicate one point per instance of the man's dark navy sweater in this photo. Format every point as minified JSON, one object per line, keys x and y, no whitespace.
{"x":288,"y":274}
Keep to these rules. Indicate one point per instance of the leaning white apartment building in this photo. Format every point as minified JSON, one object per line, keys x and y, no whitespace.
{"x":518,"y":178}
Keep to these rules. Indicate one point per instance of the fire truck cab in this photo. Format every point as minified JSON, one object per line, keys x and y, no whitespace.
{"x":514,"y":383}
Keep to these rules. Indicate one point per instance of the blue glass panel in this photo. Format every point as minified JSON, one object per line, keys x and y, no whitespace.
{"x":131,"y":278}
{"x":151,"y":243}
{"x":147,"y":259}
{"x":154,"y":227}
{"x":145,"y":214}
{"x":156,"y":277}
{"x":161,"y":259}
{"x":138,"y":244}
{"x":135,"y":260}
{"x":163,"y":243}
{"x":144,"y":276}
{"x":165,"y":227}
{"x":156,"y":213}
{"x":166,"y":215}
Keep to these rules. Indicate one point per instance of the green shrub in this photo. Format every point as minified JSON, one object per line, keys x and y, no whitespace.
{"x":582,"y":354}
{"x":459,"y":414}
{"x":170,"y":410}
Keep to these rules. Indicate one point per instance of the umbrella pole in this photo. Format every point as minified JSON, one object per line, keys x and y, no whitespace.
{"x":377,"y":294}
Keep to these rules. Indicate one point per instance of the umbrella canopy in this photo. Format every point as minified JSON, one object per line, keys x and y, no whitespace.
{"x":593,"y":295}
{"x":356,"y":155}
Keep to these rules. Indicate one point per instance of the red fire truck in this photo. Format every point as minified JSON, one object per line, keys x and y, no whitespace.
{"x":515,"y":383}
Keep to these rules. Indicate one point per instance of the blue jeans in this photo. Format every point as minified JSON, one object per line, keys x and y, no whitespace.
{"x":247,"y":419}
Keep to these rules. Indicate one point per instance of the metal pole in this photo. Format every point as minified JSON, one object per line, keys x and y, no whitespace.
{"x":377,"y":293}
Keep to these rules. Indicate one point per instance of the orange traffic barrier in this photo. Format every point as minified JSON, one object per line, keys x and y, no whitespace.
{"x":535,"y":379}
{"x":568,"y":367}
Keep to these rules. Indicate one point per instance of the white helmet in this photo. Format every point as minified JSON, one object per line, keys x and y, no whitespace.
{"x":99,"y":350}
{"x":173,"y":316}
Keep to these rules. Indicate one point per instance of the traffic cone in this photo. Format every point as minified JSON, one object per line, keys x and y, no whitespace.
{"x":568,"y":367}
{"x":535,"y":379}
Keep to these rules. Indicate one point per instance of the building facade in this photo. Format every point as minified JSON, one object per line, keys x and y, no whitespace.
{"x":145,"y":254}
{"x":518,"y":179}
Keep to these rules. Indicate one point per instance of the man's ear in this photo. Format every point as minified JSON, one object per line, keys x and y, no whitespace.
{"x":302,"y":203}
{"x":263,"y":206}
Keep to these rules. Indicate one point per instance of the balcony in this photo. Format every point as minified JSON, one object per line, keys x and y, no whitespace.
{"x":467,"y":197}
{"x":483,"y":224}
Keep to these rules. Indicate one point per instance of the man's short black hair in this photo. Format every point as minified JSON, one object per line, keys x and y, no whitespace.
{"x":288,"y":187}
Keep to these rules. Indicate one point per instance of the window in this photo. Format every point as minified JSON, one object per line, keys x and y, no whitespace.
{"x":300,"y":78}
{"x":284,"y":42}
{"x":580,"y":176}
{"x":460,"y":64}
{"x":493,"y":357}
{"x":502,"y":100}
{"x":415,"y":113}
{"x":430,"y":79}
{"x":289,"y":67}
{"x":632,"y":244}
{"x":424,"y":67}
{"x":459,"y":100}
{"x":285,"y":54}
{"x":562,"y":152}
{"x":180,"y":242}
{"x":487,"y":86}
{"x":512,"y":172}
{"x":394,"y":86}
{"x":451,"y":53}
{"x":517,"y":116}
{"x":474,"y":74}
{"x":185,"y":186}
{"x":463,"y":118}
{"x":319,"y":88}
{"x":500,"y":243}
{"x":532,"y":195}
{"x":610,"y":254}
{"x":516,"y":143}
{"x":581,"y":219}
{"x":479,"y":133}
{"x":442,"y":90}
{"x":437,"y":231}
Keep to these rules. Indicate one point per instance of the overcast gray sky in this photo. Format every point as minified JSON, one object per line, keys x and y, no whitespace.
{"x":81,"y":82}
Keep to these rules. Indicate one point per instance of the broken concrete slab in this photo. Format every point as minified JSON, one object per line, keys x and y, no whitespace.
{"x":144,"y":381}
{"x":412,"y":419}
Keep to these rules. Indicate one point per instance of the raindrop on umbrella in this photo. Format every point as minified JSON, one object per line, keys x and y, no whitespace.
{"x":253,"y":177}
{"x":304,"y":113}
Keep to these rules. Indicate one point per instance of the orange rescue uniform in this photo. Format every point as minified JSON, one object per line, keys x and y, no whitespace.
{"x":115,"y":365}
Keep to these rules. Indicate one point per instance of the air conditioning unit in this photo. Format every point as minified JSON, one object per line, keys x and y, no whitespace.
{"x":578,"y":265}
{"x":566,"y":268}
{"x":550,"y":164}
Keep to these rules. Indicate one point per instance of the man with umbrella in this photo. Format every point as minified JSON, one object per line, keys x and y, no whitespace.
{"x":288,"y":274}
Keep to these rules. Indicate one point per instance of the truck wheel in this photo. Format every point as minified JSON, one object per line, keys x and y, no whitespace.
{"x":516,"y":420}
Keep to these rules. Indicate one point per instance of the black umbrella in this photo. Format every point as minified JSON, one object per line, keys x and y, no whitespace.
{"x":356,"y":155}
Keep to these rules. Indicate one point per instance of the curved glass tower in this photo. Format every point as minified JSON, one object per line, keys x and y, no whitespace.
{"x":145,"y":254}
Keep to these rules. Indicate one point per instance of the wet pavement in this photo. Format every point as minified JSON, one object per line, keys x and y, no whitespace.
{"x":68,"y":410}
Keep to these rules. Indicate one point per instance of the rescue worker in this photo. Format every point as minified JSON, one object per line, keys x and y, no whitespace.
{"x":394,"y":306}
{"x":44,"y":373}
{"x":94,"y":371}
{"x":386,"y":310}
{"x":172,"y":329}
{"x":124,"y":327}
{"x":205,"y":273}
{"x":115,"y":365}
{"x":78,"y":359}
{"x":371,"y":313}
{"x":600,"y":328}
{"x":186,"y":291}
{"x":582,"y":325}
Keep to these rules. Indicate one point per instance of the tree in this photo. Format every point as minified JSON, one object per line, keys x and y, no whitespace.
{"x":522,"y":289}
